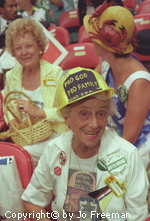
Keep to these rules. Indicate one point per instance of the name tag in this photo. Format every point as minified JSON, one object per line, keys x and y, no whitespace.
{"x":49,"y":82}
{"x":115,"y":186}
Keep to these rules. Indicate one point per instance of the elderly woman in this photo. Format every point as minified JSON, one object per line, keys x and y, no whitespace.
{"x":113,"y":32}
{"x":33,"y":76}
{"x":92,"y":173}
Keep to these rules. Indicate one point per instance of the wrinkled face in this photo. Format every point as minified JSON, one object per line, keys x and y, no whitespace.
{"x":26,"y":50}
{"x":22,"y":4}
{"x":87,"y":120}
{"x":9,"y":12}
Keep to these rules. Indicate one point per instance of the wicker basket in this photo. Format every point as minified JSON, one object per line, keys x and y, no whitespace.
{"x":36,"y":132}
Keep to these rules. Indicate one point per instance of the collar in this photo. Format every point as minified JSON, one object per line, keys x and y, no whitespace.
{"x":62,"y":140}
{"x":3,"y":25}
{"x":35,"y":8}
{"x":17,"y":72}
{"x":43,"y":66}
{"x":109,"y":143}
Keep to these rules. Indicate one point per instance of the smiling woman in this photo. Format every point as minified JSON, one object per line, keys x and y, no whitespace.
{"x":26,"y":41}
{"x":89,"y":170}
{"x":87,"y":120}
{"x":26,"y":50}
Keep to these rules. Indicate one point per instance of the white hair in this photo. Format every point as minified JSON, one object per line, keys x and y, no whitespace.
{"x":112,"y":108}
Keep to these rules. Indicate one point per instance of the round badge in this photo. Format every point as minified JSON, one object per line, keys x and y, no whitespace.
{"x":116,"y":164}
{"x":122,"y":93}
{"x":57,"y":171}
{"x":62,"y":158}
{"x":101,"y":164}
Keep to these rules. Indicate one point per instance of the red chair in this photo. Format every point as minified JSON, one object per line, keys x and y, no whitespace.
{"x":2,"y":120}
{"x":69,"y":19}
{"x":24,"y":163}
{"x":142,"y":22}
{"x":23,"y":160}
{"x":129,"y":3}
{"x":83,"y":35}
{"x":80,"y":55}
{"x":144,"y":7}
{"x":61,"y":34}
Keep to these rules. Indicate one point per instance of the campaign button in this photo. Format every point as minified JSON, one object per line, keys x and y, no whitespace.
{"x":62,"y":158}
{"x":122,"y":93}
{"x":116,"y":164}
{"x":57,"y":171}
{"x":101,"y":164}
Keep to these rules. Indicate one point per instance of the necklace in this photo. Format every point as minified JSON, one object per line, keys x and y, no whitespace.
{"x":87,"y":189}
{"x":87,"y":181}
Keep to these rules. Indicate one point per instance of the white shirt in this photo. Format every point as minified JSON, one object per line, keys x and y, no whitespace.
{"x":133,"y":202}
{"x":35,"y":96}
{"x":3,"y":24}
{"x":38,"y":14}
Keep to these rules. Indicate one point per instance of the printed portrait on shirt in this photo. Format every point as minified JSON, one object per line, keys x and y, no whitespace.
{"x":79,"y":184}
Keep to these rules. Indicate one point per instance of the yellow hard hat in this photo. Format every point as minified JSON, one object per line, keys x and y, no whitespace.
{"x":112,"y":27}
{"x":82,"y":180}
{"x":79,"y":83}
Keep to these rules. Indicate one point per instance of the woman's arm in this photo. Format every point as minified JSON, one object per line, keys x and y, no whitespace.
{"x":9,"y":86}
{"x":35,"y":212}
{"x":137,"y":108}
{"x":26,"y":106}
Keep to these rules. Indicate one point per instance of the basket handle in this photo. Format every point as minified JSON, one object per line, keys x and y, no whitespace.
{"x":6,"y":108}
{"x":29,"y":141}
{"x":18,"y":92}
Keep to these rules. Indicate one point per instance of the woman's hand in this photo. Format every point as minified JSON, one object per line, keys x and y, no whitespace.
{"x":15,"y":123}
{"x":28,"y":107}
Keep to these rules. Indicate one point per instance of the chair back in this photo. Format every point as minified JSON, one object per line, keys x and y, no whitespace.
{"x":83,"y":35}
{"x":144,"y":7}
{"x":129,"y":3}
{"x":69,"y":19}
{"x":142,"y":22}
{"x":61,"y":34}
{"x":24,"y":163}
{"x":80,"y":55}
{"x":23,"y":160}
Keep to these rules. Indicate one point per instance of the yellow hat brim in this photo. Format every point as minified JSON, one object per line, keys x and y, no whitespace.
{"x":89,"y":28}
{"x":62,"y":96}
